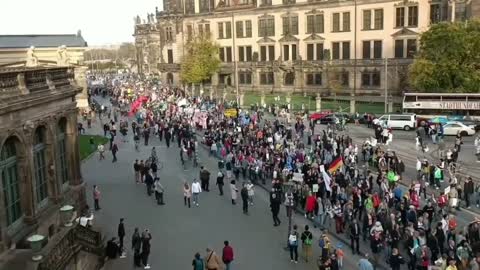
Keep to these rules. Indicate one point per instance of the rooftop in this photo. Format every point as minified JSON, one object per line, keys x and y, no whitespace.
{"x":41,"y":41}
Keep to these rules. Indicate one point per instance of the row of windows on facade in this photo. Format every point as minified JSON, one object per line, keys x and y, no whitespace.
{"x":438,"y":12}
{"x":9,"y":172}
{"x":372,"y":49}
{"x":372,"y":20}
{"x":368,"y":78}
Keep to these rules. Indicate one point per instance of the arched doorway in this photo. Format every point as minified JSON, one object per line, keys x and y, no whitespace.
{"x":169,"y":78}
{"x":289,"y":78}
{"x":9,"y":174}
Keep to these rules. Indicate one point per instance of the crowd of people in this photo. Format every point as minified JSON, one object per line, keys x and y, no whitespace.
{"x":355,"y":192}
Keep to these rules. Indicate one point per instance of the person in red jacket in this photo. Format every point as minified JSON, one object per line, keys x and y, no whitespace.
{"x":227,"y":255}
{"x":310,"y":205}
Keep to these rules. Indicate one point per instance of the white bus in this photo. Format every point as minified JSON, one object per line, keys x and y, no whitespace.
{"x":450,"y":105}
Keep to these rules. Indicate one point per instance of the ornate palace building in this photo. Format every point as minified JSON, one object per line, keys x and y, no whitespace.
{"x":348,"y":46}
{"x":40,"y":162}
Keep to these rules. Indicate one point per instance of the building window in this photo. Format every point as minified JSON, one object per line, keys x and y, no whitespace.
{"x":267,"y":53}
{"x":378,"y":21}
{"x":342,"y":25}
{"x":266,"y":27}
{"x":266,"y":3}
{"x":224,"y":30}
{"x":377,"y":49}
{"x":411,"y":48}
{"x":294,"y":52}
{"x":62,"y":152}
{"x":287,"y":2}
{"x":346,"y":22}
{"x":189,"y":6}
{"x":225,"y":54}
{"x":286,"y":52}
{"x":315,"y":24}
{"x":205,"y":6}
{"x":204,"y":29}
{"x":170,"y":56}
{"x":342,"y":78}
{"x":399,"y":48}
{"x":367,"y":49}
{"x":344,"y":50}
{"x":189,"y":32}
{"x":245,"y":77}
{"x":289,"y":78}
{"x":10,"y":182}
{"x":169,"y":33}
{"x":336,"y":50}
{"x":400,"y":17}
{"x":245,"y":53}
{"x":461,"y":11}
{"x":336,"y":22}
{"x":310,"y":52}
{"x":266,"y":78}
{"x":41,"y":187}
{"x":314,"y":78}
{"x":435,"y":13}
{"x":371,"y":78}
{"x":290,"y":25}
{"x":367,"y":19}
{"x":413,"y":16}
{"x":243,"y":29}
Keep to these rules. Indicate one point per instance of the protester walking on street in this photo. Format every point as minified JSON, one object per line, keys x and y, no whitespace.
{"x":187,"y":194}
{"x":146,"y":237}
{"x":96,"y":197}
{"x":149,"y":181}
{"x":293,"y":244}
{"x":227,"y":255}
{"x":212,"y":260}
{"x":136,"y":170}
{"x":275,"y":202}
{"x":196,"y":190}
{"x":233,"y":192}
{"x":220,"y":182}
{"x":204,"y":178}
{"x":121,"y":235}
{"x":114,"y":152}
{"x":244,"y":195}
{"x":136,"y":246}
{"x":307,"y":241}
{"x":197,"y":262}
{"x":101,"y":151}
{"x":159,"y":190}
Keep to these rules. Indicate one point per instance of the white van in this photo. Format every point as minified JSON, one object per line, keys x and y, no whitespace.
{"x":399,"y":121}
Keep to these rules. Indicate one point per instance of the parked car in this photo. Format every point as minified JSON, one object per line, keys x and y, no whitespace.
{"x":453,"y":128}
{"x":399,"y":121}
{"x":319,"y":115}
{"x":473,"y":124}
{"x":329,"y":119}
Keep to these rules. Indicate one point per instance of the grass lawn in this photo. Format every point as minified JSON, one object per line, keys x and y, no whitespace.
{"x":84,"y":144}
{"x":310,"y":103}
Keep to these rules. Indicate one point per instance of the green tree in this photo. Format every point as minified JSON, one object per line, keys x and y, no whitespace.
{"x":201,"y":60}
{"x":449,"y":58}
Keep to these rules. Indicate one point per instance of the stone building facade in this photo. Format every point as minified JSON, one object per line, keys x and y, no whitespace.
{"x":47,"y":50}
{"x":347,"y":47}
{"x":39,"y":157}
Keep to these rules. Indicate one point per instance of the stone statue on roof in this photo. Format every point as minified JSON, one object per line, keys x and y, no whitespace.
{"x":32,"y":60}
{"x":62,"y":56}
{"x":138,"y":20}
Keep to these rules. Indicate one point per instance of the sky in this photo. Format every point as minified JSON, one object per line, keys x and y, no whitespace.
{"x":101,"y":21}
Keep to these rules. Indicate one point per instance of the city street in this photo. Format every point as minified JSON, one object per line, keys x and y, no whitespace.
{"x":178,"y":232}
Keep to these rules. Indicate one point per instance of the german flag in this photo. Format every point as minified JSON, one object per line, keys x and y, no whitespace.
{"x":336,"y":164}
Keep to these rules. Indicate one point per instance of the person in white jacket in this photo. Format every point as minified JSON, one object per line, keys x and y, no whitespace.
{"x":196,"y":189}
{"x":251,"y":192}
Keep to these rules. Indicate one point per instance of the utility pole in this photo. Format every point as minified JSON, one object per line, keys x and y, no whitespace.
{"x":353,"y":109}
{"x":235,"y":64}
{"x":386,"y":84}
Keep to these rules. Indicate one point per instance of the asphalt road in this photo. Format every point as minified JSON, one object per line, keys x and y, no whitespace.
{"x":178,"y":232}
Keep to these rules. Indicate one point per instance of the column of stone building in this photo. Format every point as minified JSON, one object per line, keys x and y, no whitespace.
{"x":76,"y":181}
{"x":52,"y":162}
{"x":25,"y":174}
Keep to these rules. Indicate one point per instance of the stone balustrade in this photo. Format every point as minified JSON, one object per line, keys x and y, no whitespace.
{"x":15,"y":81}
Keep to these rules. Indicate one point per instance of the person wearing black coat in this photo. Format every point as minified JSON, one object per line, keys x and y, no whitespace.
{"x":395,"y":260}
{"x":112,"y":249}
{"x":244,"y":195}
{"x":468,"y":190}
{"x":136,"y":246}
{"x":275,"y":201}
{"x":146,"y":236}
{"x":121,"y":235}
{"x":149,"y":183}
{"x":220,"y":182}
{"x":355,"y":237}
